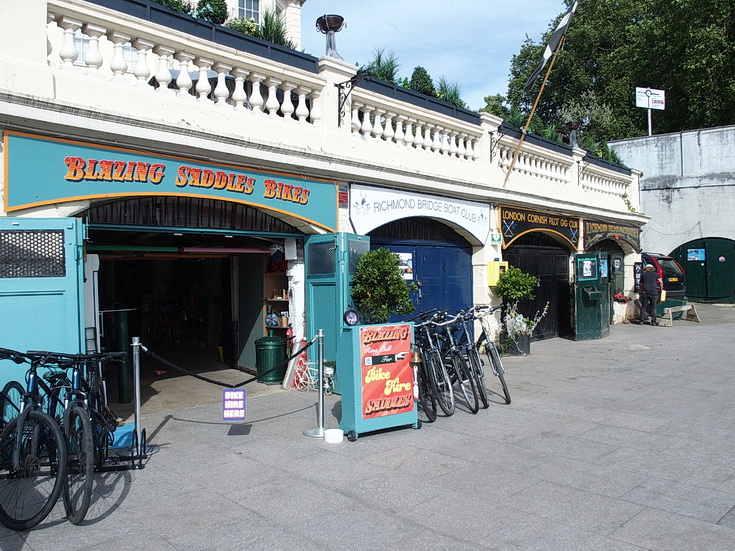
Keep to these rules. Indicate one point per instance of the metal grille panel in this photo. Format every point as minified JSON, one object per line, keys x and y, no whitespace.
{"x":32,"y":253}
{"x":322,"y":258}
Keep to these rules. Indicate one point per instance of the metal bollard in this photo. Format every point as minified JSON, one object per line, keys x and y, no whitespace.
{"x":318,"y":431}
{"x":138,"y":453}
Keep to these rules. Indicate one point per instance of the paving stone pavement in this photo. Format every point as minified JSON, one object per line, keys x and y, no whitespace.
{"x":622,"y":443}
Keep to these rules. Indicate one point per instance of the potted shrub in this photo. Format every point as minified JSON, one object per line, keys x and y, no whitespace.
{"x":513,"y":286}
{"x":378,"y":288}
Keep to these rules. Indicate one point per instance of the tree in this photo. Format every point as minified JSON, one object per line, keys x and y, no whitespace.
{"x":421,"y":82}
{"x":378,"y":289}
{"x":685,"y":47}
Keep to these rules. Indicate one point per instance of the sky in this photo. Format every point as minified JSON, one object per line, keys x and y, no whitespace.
{"x":472,"y":45}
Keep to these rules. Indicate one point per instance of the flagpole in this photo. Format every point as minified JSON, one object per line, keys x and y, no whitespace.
{"x":533,"y":110}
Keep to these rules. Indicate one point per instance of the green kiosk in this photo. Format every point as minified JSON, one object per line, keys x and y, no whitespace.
{"x":373,"y":371}
{"x":591,"y":302}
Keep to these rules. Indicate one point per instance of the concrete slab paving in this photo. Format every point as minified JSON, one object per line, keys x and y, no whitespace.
{"x":623,"y":443}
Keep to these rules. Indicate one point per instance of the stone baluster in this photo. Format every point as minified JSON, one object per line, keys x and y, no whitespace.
{"x":239,"y":94}
{"x":183,"y":81}
{"x":388,"y":133}
{"x":367,"y":126}
{"x":355,"y":121}
{"x":221,"y":92}
{"x":287,"y":106}
{"x":451,"y":138}
{"x":68,"y":51}
{"x":316,"y":108}
{"x":409,"y":136}
{"x":428,"y":141}
{"x":93,"y":57}
{"x":461,"y":151}
{"x":256,"y":98}
{"x":302,"y":109}
{"x":163,"y":74}
{"x":142,"y":72}
{"x":203,"y":88}
{"x":118,"y":65}
{"x":475,"y":150}
{"x":437,"y":144}
{"x":50,"y":16}
{"x":400,"y":134}
{"x":272,"y":104}
{"x":377,"y":131}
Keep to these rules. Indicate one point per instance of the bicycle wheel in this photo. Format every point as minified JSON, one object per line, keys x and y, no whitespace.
{"x":10,"y":401}
{"x":30,"y":490}
{"x":79,"y":466}
{"x":475,"y":364}
{"x":465,"y":381}
{"x":427,"y":400}
{"x":441,"y":385}
{"x":498,"y":371}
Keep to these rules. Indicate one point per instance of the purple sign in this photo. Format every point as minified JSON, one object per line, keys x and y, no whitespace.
{"x":234,"y":404}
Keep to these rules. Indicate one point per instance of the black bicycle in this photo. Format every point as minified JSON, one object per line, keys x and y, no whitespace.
{"x":32,"y":455}
{"x":486,"y":343}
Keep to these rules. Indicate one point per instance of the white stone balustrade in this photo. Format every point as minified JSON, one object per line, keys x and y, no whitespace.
{"x":98,"y":43}
{"x":547,"y":166}
{"x":382,"y":118}
{"x":156,"y":58}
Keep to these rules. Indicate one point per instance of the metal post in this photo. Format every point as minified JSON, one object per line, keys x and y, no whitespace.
{"x":138,"y":452}
{"x":318,"y":431}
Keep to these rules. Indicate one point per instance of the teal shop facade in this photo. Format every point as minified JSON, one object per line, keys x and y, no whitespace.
{"x":190,"y":255}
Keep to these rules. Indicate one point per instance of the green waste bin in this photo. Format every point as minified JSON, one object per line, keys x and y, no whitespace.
{"x":270,"y":352}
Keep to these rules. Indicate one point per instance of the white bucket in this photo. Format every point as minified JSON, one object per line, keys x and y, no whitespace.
{"x":333,"y":436}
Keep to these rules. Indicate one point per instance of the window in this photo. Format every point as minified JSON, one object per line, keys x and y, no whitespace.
{"x":248,"y":9}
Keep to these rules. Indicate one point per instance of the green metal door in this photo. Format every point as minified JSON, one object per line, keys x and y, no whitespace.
{"x":41,"y":278}
{"x":709,"y":268}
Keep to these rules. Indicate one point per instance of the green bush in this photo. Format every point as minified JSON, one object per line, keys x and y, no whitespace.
{"x":514,"y":284}
{"x":245,"y":26}
{"x":214,"y":11}
{"x":173,"y":4}
{"x":378,"y":289}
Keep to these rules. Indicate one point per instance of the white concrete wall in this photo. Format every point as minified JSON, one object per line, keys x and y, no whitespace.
{"x":687,"y":185}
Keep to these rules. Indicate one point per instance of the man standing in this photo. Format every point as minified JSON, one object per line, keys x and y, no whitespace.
{"x":650,"y":284}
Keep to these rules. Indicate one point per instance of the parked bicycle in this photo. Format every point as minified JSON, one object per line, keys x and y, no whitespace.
{"x":438,"y":381}
{"x":32,"y":455}
{"x":486,"y":344}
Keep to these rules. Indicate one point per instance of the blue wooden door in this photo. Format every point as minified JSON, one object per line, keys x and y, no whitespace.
{"x":442,"y":272}
{"x":41,"y":277}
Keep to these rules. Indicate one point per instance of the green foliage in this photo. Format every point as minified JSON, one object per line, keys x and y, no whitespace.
{"x":214,"y":11}
{"x":173,"y":4}
{"x":378,"y":289}
{"x":451,"y":92}
{"x":245,"y":26}
{"x":496,"y":105}
{"x":273,"y":29}
{"x":421,"y":82}
{"x":684,"y":47}
{"x":383,"y":66}
{"x":514,"y":284}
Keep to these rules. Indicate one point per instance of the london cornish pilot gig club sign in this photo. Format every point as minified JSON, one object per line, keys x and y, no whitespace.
{"x":45,"y":171}
{"x":517,"y":222}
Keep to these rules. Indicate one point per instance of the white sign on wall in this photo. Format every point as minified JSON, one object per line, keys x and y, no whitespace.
{"x":371,"y":207}
{"x":648,"y":98}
